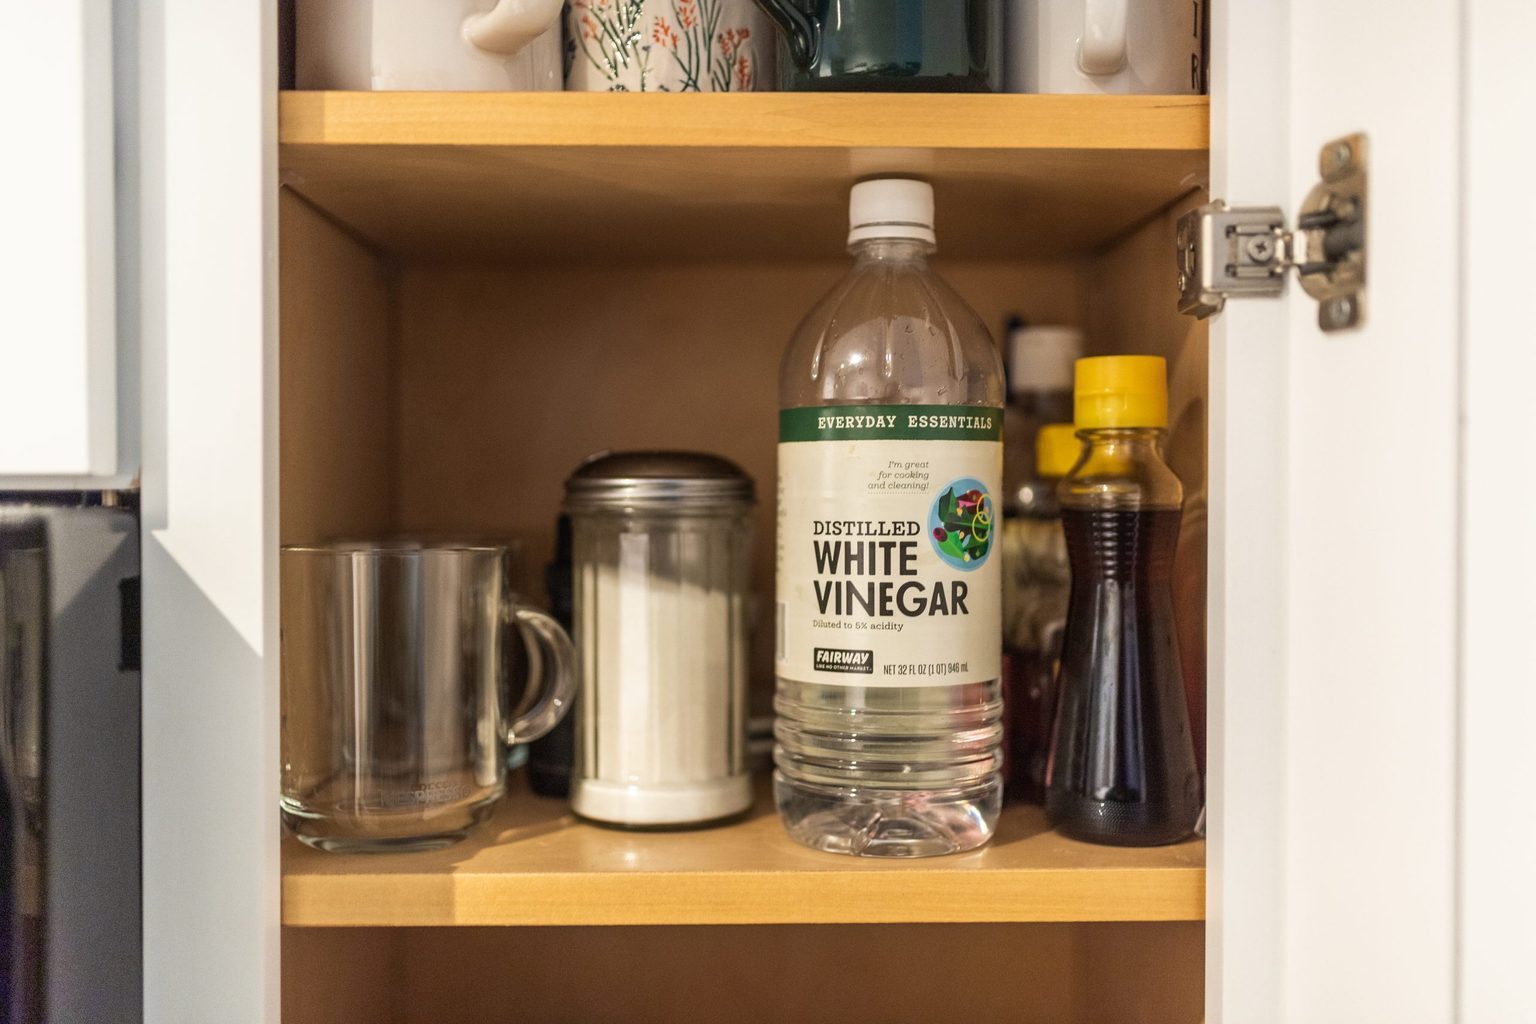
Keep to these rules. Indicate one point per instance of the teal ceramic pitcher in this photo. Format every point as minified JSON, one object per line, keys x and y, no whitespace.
{"x":889,"y":45}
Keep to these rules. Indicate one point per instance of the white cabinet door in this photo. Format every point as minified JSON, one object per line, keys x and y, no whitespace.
{"x":58,"y":354}
{"x":1338,"y":606}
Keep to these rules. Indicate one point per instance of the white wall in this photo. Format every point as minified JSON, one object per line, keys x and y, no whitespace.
{"x":58,"y":346}
{"x":1498,"y":534}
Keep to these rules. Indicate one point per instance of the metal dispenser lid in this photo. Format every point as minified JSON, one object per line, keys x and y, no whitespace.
{"x":682,"y":481}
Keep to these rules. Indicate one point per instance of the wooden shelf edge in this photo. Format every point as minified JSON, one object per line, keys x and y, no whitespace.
{"x":745,"y":120}
{"x":534,"y":863}
{"x":886,"y":897}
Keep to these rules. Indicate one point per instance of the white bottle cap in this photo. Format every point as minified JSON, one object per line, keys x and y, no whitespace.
{"x":1041,"y":358}
{"x":891,"y":208}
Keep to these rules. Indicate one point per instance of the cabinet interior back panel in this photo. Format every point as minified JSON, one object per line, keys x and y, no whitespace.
{"x":815,"y":974}
{"x":1045,"y":973}
{"x":335,"y":391}
{"x":508,"y":378}
{"x":439,"y":399}
{"x":343,"y":976}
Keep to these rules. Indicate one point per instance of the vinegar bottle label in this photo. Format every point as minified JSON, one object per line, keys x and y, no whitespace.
{"x":888,"y":573}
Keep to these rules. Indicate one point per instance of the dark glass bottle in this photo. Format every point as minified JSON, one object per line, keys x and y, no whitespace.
{"x":1038,"y":450}
{"x":889,"y":45}
{"x":1035,"y":590}
{"x":551,"y":756}
{"x":1122,"y":766}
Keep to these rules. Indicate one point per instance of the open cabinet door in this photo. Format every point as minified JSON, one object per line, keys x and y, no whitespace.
{"x":1334,"y":546}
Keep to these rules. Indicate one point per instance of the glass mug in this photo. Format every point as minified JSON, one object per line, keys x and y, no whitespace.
{"x":396,"y":710}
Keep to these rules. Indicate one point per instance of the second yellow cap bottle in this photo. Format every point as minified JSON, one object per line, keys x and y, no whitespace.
{"x":1056,"y":450}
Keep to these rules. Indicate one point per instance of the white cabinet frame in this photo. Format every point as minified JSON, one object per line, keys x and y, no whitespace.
{"x":206,"y":108}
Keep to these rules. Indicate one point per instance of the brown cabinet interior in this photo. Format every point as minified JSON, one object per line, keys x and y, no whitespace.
{"x":424,"y":392}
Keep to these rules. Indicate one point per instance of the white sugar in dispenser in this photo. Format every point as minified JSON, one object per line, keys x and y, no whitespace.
{"x":661,"y":548}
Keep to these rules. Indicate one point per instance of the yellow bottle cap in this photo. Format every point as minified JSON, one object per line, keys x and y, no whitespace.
{"x":1056,"y":449}
{"x":1121,"y":391}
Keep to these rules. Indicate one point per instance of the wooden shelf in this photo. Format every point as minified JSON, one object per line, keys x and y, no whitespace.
{"x":762,"y":120}
{"x":533,"y":864}
{"x":611,"y":177}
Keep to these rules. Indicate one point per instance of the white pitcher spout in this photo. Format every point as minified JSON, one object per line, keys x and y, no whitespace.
{"x":511,"y":25}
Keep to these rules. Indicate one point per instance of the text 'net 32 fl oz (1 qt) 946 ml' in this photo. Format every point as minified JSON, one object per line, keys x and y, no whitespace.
{"x":889,"y":580}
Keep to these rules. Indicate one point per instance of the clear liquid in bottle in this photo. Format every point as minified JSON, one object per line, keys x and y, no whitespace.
{"x":888,"y":702}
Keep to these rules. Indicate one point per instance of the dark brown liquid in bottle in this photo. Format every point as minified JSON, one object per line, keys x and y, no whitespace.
{"x":1122,"y":765}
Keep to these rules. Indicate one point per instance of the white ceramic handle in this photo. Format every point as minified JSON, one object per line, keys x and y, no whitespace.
{"x":511,"y":25}
{"x":1101,"y":50}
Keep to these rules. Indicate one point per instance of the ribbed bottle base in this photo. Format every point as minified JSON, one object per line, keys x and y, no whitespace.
{"x":888,"y":771}
{"x":888,"y":822}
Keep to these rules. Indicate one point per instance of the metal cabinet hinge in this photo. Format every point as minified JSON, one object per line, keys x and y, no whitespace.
{"x":1230,"y":252}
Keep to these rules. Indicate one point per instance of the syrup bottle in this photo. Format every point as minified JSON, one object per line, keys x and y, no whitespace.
{"x":1122,"y":763}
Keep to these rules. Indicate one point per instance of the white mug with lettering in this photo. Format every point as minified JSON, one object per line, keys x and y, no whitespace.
{"x":1107,"y":46}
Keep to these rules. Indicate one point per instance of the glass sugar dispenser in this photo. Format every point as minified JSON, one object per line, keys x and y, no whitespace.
{"x":661,"y":548}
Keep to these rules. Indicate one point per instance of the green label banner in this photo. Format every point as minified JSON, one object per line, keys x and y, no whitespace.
{"x":891,"y":422}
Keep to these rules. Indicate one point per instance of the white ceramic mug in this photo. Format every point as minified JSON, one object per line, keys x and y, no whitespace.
{"x":668,"y":46}
{"x":470,"y":45}
{"x":1110,"y":46}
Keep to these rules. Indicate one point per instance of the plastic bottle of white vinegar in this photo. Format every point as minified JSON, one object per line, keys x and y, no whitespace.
{"x":889,"y":582}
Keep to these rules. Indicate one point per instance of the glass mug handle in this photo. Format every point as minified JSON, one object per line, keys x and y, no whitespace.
{"x":556,"y":683}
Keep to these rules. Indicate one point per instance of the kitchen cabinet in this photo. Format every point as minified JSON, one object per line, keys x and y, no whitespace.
{"x":370,"y":313}
{"x":59,"y":348}
{"x":476,"y":291}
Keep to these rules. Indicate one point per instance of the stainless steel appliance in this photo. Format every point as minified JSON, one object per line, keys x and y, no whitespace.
{"x":69,"y":758}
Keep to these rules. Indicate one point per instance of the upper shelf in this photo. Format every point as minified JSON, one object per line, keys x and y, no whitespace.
{"x":534,"y":864}
{"x":618,"y":176}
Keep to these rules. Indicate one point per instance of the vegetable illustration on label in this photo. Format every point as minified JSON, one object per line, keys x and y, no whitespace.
{"x":961,"y":524}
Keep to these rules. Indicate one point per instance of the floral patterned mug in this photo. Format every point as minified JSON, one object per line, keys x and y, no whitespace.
{"x":667,"y":46}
